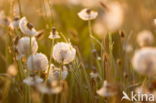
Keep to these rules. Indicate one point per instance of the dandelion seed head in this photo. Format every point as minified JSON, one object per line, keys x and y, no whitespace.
{"x":63,"y":53}
{"x":52,"y":87}
{"x":145,"y":38}
{"x":55,"y":72}
{"x":33,"y":80}
{"x":144,"y":61}
{"x":37,"y":62}
{"x":23,"y":46}
{"x":87,"y":14}
{"x":27,"y":28}
{"x":54,"y":34}
{"x":107,"y":90}
{"x":113,"y":17}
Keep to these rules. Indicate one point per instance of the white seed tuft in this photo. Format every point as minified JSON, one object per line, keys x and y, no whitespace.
{"x":63,"y":53}
{"x":37,"y":62}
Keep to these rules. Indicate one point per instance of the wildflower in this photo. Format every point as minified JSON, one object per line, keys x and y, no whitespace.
{"x":27,"y":28}
{"x":12,"y":71}
{"x":145,"y":38}
{"x":33,"y":80}
{"x":106,"y":90}
{"x":54,"y":34}
{"x":37,"y":62}
{"x":23,"y":46}
{"x":63,"y":53}
{"x":14,"y":23}
{"x":144,"y":61}
{"x":87,"y":14}
{"x":53,"y":87}
{"x":56,"y":73}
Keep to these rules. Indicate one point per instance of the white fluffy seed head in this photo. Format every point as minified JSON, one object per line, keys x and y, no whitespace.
{"x":87,"y":14}
{"x":145,"y":38}
{"x":144,"y":61}
{"x":35,"y":80}
{"x":37,"y":62}
{"x":23,"y":46}
{"x":63,"y":53}
{"x":26,"y":28}
{"x":114,"y":16}
{"x":55,"y":72}
{"x":52,"y":87}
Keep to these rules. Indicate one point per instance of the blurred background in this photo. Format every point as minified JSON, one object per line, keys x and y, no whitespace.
{"x":133,"y":15}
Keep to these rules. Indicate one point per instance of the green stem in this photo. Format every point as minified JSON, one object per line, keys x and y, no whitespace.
{"x":90,"y":33}
{"x":50,"y":59}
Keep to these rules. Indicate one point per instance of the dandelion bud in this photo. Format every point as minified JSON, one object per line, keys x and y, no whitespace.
{"x":63,"y":53}
{"x":144,"y":61}
{"x":87,"y":14}
{"x":145,"y":38}
{"x":37,"y":62}
{"x":23,"y":46}
{"x":27,"y":28}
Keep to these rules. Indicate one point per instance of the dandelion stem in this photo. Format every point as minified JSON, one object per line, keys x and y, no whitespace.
{"x":50,"y":59}
{"x":90,"y":33}
{"x":30,"y":45}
